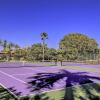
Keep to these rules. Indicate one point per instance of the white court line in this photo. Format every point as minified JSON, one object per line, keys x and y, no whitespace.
{"x":33,"y":74}
{"x":13,"y":77}
{"x":23,"y":74}
{"x":35,"y":69}
{"x":40,"y":70}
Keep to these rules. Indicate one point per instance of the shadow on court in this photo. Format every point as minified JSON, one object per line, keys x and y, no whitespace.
{"x":48,"y":81}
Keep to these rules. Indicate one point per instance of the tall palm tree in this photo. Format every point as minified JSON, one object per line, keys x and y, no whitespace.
{"x":10,"y":47}
{"x":44,"y":36}
{"x":16,"y":46}
{"x":17,"y":50}
{"x":4,"y":44}
{"x":1,"y":44}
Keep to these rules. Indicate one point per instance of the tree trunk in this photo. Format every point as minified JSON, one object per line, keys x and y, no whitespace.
{"x":43,"y":49}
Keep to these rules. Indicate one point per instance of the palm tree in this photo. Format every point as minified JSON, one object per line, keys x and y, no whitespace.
{"x":1,"y":43}
{"x":10,"y":47}
{"x":4,"y":45}
{"x":16,"y":47}
{"x":44,"y":36}
{"x":17,"y":52}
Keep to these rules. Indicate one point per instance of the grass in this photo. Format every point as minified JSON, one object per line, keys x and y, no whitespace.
{"x":81,"y":68}
{"x":92,"y":62}
{"x":89,"y":91}
{"x":5,"y":95}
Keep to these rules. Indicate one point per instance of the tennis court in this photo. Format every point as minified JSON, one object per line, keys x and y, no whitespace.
{"x":18,"y":75}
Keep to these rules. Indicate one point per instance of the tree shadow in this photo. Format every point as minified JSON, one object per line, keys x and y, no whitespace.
{"x":37,"y":97}
{"x":9,"y":94}
{"x":89,"y":91}
{"x":48,"y":81}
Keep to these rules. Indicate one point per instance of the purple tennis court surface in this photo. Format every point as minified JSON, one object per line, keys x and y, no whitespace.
{"x":13,"y":75}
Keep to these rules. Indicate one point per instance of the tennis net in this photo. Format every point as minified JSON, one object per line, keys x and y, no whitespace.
{"x":19,"y":64}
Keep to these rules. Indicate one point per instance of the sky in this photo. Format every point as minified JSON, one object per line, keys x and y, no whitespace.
{"x":22,"y":21}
